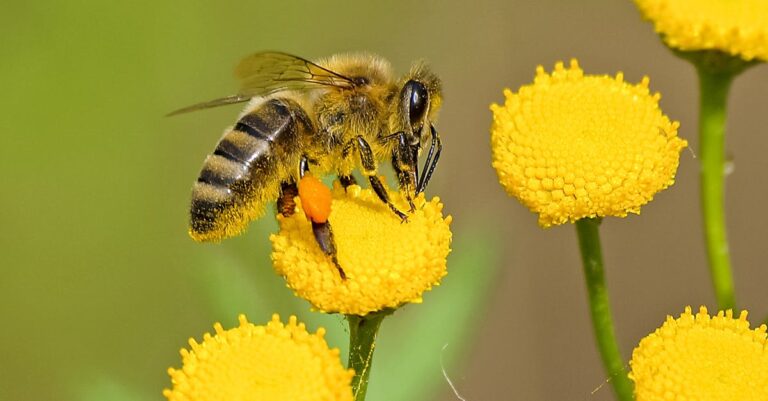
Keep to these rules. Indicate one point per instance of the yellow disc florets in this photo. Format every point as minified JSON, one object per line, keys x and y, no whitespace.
{"x":736,"y":27}
{"x":571,"y":146}
{"x":702,"y":358}
{"x":387,"y":262}
{"x":275,"y":362}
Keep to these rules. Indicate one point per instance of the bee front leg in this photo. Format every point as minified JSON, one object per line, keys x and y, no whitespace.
{"x":369,"y":170}
{"x":404,"y":162}
{"x":430,"y":163}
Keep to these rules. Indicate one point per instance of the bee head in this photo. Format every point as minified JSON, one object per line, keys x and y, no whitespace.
{"x":417,"y":98}
{"x":420,"y":100}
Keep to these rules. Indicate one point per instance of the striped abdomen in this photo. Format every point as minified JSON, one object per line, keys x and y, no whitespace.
{"x":246,"y":169}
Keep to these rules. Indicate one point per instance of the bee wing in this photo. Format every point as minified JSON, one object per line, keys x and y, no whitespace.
{"x":265,"y":73}
{"x":269,"y":72}
{"x":212,"y":103}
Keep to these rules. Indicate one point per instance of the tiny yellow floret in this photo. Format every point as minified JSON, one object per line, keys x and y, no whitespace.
{"x":571,"y":146}
{"x":736,"y":27}
{"x":702,"y":358}
{"x":387,"y":262}
{"x":275,"y":362}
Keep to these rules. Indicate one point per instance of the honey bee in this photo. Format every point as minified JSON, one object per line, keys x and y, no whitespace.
{"x":333,"y":116}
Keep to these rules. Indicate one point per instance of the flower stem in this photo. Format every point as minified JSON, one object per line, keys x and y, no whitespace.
{"x":600,"y":309}
{"x":362,"y":339}
{"x":714,"y":86}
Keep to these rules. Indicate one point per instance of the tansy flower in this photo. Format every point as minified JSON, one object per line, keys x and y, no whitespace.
{"x":276,"y":362}
{"x":571,"y":146}
{"x":736,"y":27}
{"x":387,"y":262}
{"x":702,"y":358}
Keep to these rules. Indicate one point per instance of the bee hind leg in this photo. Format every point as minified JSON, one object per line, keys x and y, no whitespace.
{"x":286,"y":204}
{"x":324,"y":237}
{"x":321,"y":229}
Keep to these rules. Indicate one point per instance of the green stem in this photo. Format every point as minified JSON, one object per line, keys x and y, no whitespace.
{"x":714,"y":86}
{"x":600,"y":308}
{"x":362,"y":339}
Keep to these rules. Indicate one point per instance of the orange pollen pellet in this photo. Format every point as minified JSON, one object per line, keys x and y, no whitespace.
{"x":315,"y":199}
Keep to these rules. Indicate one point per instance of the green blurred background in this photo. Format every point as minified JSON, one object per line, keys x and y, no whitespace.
{"x":101,"y":286}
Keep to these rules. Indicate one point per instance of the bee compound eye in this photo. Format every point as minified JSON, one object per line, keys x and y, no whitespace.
{"x":417,"y":106}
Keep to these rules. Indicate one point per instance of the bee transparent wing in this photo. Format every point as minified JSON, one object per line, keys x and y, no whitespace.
{"x":212,"y":103}
{"x":269,"y":72}
{"x":265,"y":73}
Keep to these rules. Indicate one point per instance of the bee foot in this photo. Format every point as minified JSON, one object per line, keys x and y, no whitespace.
{"x":338,"y":267}
{"x":403,"y":217}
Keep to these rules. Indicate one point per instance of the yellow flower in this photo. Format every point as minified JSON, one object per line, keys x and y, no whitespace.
{"x":275,"y":362}
{"x":571,"y":145}
{"x":736,"y":27}
{"x":702,"y":358}
{"x":387,"y":262}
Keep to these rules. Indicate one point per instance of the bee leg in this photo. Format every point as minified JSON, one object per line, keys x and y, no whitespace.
{"x":286,"y":205}
{"x":381,"y":192}
{"x":404,"y":162}
{"x":303,"y":166}
{"x":402,"y":179}
{"x":347,"y":180}
{"x":324,"y":237}
{"x":430,"y":163}
{"x":288,"y":191}
{"x":322,"y":230}
{"x":415,"y":151}
{"x":369,"y":170}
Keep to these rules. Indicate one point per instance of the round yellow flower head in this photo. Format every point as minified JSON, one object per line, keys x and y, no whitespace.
{"x":571,"y":146}
{"x":276,"y":362}
{"x":736,"y":27}
{"x":387,"y":262}
{"x":702,"y":358}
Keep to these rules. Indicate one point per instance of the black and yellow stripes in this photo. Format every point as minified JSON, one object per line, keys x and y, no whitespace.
{"x":245,"y":170}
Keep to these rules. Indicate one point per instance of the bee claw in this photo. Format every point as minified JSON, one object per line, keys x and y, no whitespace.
{"x":338,"y":267}
{"x":403,"y":217}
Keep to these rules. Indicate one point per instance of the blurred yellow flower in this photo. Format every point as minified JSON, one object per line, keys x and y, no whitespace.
{"x":736,"y":27}
{"x":702,"y":358}
{"x":275,"y":362}
{"x":387,"y":262}
{"x":571,"y":146}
